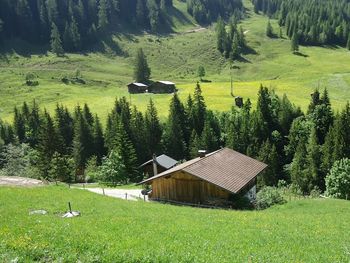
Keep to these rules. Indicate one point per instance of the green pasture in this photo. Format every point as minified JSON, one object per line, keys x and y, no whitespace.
{"x":175,"y":57}
{"x":112,"y":230}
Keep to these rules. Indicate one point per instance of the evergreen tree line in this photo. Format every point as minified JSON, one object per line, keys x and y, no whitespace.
{"x":71,"y":25}
{"x":299,"y":148}
{"x":76,"y":23}
{"x":231,"y":43}
{"x":312,"y":22}
{"x":207,"y":11}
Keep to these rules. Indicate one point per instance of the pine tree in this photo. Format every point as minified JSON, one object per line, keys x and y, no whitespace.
{"x":142,"y":71}
{"x":268,"y":154}
{"x":99,"y":143}
{"x":236,"y":49}
{"x":141,"y":13}
{"x":102,"y":15}
{"x":34,"y":125}
{"x":295,"y":43}
{"x":67,"y":39}
{"x":61,"y":168}
{"x":198,"y":110}
{"x":173,"y":137}
{"x":299,"y":166}
{"x":313,"y":157}
{"x":138,"y":131}
{"x":65,"y":127}
{"x":269,"y":29}
{"x":19,"y":126}
{"x":83,"y":143}
{"x":75,"y":35}
{"x":49,"y":143}
{"x":56,"y":43}
{"x":153,"y":129}
{"x":221,"y":35}
{"x":201,"y":72}
{"x":128,"y":154}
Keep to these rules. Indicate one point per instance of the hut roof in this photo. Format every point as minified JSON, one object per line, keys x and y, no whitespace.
{"x":138,"y":84}
{"x":164,"y":161}
{"x":166,"y":82}
{"x":225,"y":168}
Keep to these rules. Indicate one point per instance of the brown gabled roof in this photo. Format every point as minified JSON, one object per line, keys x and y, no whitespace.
{"x":225,"y":168}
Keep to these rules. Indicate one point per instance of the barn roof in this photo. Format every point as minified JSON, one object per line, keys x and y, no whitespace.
{"x":225,"y":168}
{"x":166,"y":82}
{"x":138,"y":84}
{"x":164,"y":161}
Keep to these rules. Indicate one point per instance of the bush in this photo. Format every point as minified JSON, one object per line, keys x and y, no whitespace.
{"x":338,"y":180}
{"x":267,"y":197}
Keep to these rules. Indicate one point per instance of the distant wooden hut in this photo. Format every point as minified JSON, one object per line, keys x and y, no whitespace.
{"x":136,"y":87}
{"x":214,"y":177}
{"x":162,"y":162}
{"x":161,"y":87}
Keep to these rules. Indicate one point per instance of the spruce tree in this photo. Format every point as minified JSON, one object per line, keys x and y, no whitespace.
{"x":75,"y":35}
{"x":138,"y":131}
{"x":61,"y":168}
{"x":236,"y":49}
{"x":198,"y":110}
{"x":313,"y":170}
{"x":99,"y":143}
{"x":298,"y":169}
{"x":142,"y":71}
{"x":153,"y":129}
{"x":102,"y":15}
{"x":19,"y":126}
{"x":269,"y":30}
{"x":221,"y":35}
{"x":56,"y":43}
{"x":173,"y":137}
{"x":49,"y":143}
{"x":268,"y":154}
{"x":295,"y":43}
{"x":128,"y":154}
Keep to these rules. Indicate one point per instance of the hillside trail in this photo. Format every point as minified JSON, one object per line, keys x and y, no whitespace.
{"x":19,"y":181}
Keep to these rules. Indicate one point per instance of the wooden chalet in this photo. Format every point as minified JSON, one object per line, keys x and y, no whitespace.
{"x":160,"y":87}
{"x":216,"y":176}
{"x":158,"y":164}
{"x":136,"y":87}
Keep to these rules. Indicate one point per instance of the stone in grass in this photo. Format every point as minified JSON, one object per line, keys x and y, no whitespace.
{"x":38,"y":212}
{"x":71,"y":214}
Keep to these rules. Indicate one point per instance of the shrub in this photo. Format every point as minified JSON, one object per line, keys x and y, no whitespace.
{"x":267,"y":197}
{"x":31,"y":80}
{"x":338,"y":180}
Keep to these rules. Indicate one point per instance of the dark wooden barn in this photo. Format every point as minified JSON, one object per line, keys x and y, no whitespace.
{"x":204,"y":180}
{"x":158,"y":165}
{"x":161,"y":87}
{"x":136,"y":87}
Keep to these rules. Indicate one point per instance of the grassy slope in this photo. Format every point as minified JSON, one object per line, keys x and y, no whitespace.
{"x":121,"y":231}
{"x":176,"y":57}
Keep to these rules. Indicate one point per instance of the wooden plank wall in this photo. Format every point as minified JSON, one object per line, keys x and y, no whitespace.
{"x":183,"y":187}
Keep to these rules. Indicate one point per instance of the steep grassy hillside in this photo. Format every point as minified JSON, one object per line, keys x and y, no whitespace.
{"x":122,"y":231}
{"x":176,"y":57}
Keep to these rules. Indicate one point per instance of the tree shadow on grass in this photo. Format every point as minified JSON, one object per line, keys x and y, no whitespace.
{"x":297,"y":53}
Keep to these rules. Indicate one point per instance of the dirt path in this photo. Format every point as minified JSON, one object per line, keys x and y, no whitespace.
{"x":19,"y":181}
{"x":130,"y":194}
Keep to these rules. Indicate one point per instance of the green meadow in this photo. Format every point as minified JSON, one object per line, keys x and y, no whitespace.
{"x":112,"y":230}
{"x":174,"y":57}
